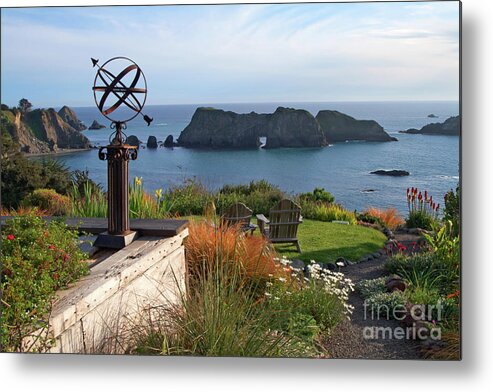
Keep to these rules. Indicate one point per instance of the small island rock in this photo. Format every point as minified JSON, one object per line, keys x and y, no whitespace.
{"x":168,"y":142}
{"x":96,"y":125}
{"x":152,"y":142}
{"x":432,"y":116}
{"x":133,"y":140}
{"x":392,"y":173}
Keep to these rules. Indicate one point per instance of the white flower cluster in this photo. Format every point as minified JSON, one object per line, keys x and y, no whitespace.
{"x":333,"y":282}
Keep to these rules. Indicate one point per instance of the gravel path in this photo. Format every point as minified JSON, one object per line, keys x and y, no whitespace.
{"x":347,"y":340}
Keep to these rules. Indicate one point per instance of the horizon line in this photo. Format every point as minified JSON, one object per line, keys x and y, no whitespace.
{"x":201,"y":104}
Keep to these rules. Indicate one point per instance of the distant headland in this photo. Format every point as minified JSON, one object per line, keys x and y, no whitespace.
{"x":42,"y":131}
{"x":450,"y":126}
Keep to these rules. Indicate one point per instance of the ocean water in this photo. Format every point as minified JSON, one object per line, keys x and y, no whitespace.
{"x":343,"y":168}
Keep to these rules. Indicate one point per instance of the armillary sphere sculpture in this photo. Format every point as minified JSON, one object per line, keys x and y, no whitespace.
{"x":120,"y":92}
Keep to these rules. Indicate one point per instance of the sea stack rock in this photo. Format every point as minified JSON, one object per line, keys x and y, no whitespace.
{"x":168,"y":142}
{"x":69,"y":116}
{"x":96,"y":125}
{"x":451,"y":126}
{"x":339,"y":127}
{"x":292,"y":128}
{"x":133,"y":140}
{"x":152,"y":142}
{"x":215,"y":128}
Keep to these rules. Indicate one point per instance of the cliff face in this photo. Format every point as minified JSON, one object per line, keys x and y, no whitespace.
{"x":293,"y":128}
{"x":339,"y":127}
{"x":69,"y":116}
{"x":450,"y":126}
{"x":214,"y":128}
{"x":43,"y":130}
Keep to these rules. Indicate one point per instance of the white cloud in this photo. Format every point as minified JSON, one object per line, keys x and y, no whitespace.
{"x":251,"y":53}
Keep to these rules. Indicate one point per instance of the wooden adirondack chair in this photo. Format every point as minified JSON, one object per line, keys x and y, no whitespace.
{"x":239,"y":214}
{"x":282,"y":225}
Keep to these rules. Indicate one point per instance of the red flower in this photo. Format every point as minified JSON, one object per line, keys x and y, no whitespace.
{"x":66,"y":257}
{"x":454,"y":294}
{"x":51,"y":247}
{"x":438,"y":206}
{"x":10,"y":237}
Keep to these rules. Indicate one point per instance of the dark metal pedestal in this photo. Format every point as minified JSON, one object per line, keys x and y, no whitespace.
{"x":118,"y":156}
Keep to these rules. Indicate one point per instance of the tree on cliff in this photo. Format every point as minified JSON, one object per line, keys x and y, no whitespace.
{"x":24,"y":105}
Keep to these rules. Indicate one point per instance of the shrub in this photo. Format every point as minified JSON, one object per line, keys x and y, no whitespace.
{"x":21,"y":176}
{"x":49,"y":201}
{"x":260,"y":196}
{"x":388,"y":218}
{"x":318,"y":194}
{"x":367,"y":218}
{"x":426,"y":271}
{"x":369,"y":287}
{"x":327,"y":212}
{"x":187,"y":199}
{"x":424,"y":296}
{"x":445,"y":243}
{"x":451,"y":211}
{"x":37,"y":259}
{"x":385,"y":303}
{"x":303,"y":326}
{"x":423,"y":211}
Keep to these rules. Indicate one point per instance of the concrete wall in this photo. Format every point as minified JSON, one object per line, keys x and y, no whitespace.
{"x":148,"y":273}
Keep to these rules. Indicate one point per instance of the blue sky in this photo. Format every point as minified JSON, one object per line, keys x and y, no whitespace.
{"x":237,"y":53}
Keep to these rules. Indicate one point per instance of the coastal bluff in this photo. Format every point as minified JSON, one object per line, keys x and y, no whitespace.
{"x":286,"y":127}
{"x":44,"y":130}
{"x":451,"y":126}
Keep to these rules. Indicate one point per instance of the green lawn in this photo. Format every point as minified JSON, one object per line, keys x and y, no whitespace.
{"x":324,"y":241}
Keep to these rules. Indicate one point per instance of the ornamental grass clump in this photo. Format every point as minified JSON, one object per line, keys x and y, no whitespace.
{"x":208,"y":243}
{"x":389,"y":218}
{"x":220,"y":315}
{"x":423,"y":211}
{"x":38,"y":258}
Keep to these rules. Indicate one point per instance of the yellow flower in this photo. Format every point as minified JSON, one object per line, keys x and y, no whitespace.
{"x":158,"y":193}
{"x":138,"y":181}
